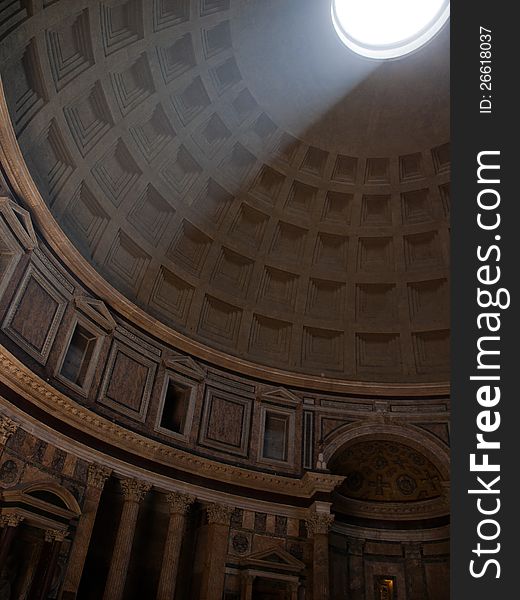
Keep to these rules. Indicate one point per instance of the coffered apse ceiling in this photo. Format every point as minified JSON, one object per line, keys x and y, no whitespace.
{"x":387,"y":471}
{"x":241,"y":176}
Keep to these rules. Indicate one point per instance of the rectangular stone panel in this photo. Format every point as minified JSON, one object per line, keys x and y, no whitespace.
{"x":127,"y":382}
{"x":34,"y":315}
{"x":225,"y":422}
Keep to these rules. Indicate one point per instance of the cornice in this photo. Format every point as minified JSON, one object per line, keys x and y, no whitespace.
{"x":392,"y":535}
{"x":402,"y":511}
{"x":20,"y":378}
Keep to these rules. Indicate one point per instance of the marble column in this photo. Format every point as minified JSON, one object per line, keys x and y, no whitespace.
{"x":247,"y":586}
{"x":47,"y":564}
{"x":179,"y":506}
{"x":318,"y":526}
{"x":134,"y":491}
{"x":356,"y":573}
{"x":415,"y":583}
{"x":8,"y":522}
{"x":213,"y":576}
{"x":97,"y":475}
{"x":294,"y":590}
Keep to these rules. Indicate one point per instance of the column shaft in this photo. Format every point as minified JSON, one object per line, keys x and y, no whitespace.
{"x":54,"y":553}
{"x":214,"y":575}
{"x":318,"y":525}
{"x":47,"y":564}
{"x":320,"y":567}
{"x":134,"y":492}
{"x":9,"y":524}
{"x":96,"y":480}
{"x":5,"y":543}
{"x":247,"y":587}
{"x":294,"y":591}
{"x":179,"y":505}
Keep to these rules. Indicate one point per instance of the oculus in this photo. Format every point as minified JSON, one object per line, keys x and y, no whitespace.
{"x":385,"y":29}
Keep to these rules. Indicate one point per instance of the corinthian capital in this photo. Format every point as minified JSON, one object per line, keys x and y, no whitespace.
{"x":97,"y":475}
{"x":219,"y":514}
{"x":7,"y":428}
{"x":55,"y":535}
{"x":179,"y":503}
{"x":319,"y":523}
{"x":134,"y":490}
{"x":10,"y":520}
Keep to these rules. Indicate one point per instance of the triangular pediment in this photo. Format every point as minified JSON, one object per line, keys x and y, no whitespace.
{"x":19,"y":221}
{"x":274,"y":557}
{"x":281,"y":395}
{"x":185,"y":365}
{"x":96,"y":310}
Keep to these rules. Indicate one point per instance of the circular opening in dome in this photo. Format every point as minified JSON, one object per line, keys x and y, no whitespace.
{"x":384,"y":29}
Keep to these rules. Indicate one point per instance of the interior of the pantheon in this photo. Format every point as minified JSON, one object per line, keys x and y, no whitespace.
{"x":224,"y":320}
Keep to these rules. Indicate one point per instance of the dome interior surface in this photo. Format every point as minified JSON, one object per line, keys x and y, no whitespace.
{"x":242,"y":177}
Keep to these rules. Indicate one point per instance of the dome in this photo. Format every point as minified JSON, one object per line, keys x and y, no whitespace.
{"x":224,"y":320}
{"x":249,"y":183}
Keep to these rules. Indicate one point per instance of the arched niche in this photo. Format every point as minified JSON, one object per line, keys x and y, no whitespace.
{"x":392,"y":472}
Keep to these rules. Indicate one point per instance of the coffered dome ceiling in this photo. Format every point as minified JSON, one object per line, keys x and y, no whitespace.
{"x":241,"y":176}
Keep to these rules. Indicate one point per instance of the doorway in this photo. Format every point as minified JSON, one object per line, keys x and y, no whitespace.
{"x":270,"y":589}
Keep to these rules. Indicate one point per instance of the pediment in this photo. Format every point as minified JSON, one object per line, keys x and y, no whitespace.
{"x":282,"y":396}
{"x":20,"y":222}
{"x":96,"y":310}
{"x":274,"y":557}
{"x":185,"y":365}
{"x":43,"y":495}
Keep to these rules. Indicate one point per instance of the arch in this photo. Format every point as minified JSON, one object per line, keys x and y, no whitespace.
{"x":408,"y":435}
{"x":49,"y":487}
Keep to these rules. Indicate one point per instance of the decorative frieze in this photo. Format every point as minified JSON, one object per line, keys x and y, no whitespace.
{"x":47,"y":398}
